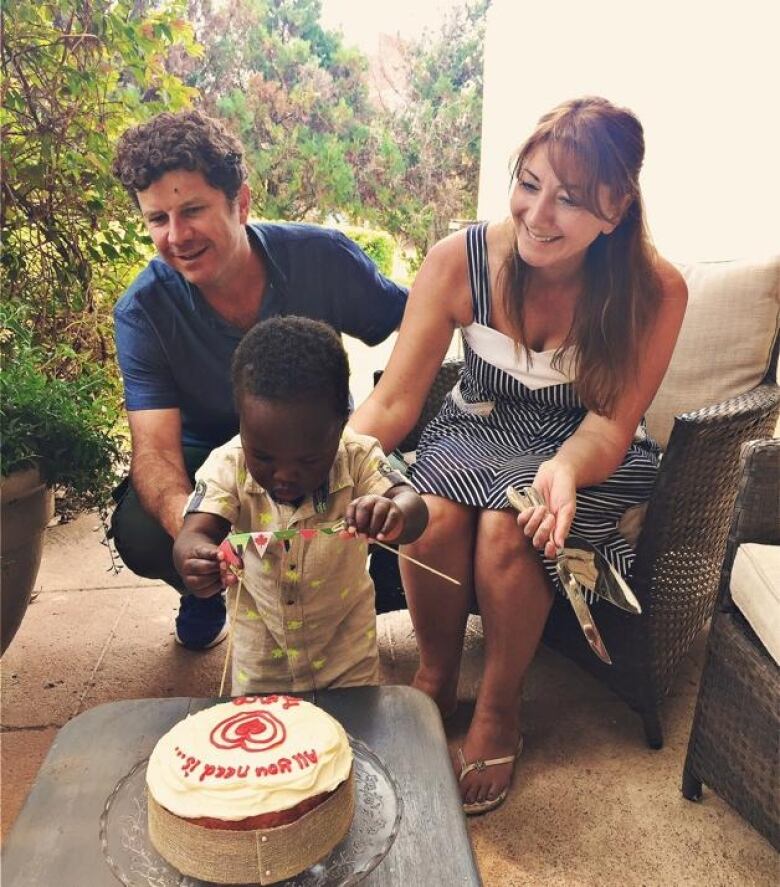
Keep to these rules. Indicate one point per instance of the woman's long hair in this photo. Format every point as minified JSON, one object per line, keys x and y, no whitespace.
{"x":591,"y":142}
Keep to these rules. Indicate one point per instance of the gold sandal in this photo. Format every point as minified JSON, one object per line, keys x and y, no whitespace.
{"x":476,"y":807}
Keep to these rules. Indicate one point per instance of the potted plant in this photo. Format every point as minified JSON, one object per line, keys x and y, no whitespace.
{"x":55,"y":432}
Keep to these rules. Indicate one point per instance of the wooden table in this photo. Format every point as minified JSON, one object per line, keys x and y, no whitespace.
{"x":55,"y":841}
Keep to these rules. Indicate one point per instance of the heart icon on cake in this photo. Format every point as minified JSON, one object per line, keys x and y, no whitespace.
{"x":250,"y":730}
{"x":251,"y":727}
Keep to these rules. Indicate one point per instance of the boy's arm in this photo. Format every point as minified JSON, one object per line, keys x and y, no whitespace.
{"x":386,"y":507}
{"x":195,"y":552}
{"x":413,"y":510}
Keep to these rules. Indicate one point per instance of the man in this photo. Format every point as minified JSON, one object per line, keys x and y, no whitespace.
{"x":180,"y":320}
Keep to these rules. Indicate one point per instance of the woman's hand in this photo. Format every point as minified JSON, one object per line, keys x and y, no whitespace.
{"x":548,"y":525}
{"x":375,"y":517}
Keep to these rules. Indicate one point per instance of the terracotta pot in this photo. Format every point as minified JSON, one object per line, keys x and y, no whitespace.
{"x":27,"y":506}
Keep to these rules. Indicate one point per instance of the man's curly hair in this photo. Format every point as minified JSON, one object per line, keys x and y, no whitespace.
{"x":292,"y":359}
{"x":188,"y":140}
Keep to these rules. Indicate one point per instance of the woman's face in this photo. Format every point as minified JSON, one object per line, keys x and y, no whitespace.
{"x":552,"y":228}
{"x":289,"y":447}
{"x":196,"y":229}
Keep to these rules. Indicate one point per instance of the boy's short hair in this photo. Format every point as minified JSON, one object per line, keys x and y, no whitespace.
{"x":292,"y":359}
{"x":188,"y":140}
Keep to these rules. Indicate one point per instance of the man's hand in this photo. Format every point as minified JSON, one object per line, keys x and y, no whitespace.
{"x":375,"y":517}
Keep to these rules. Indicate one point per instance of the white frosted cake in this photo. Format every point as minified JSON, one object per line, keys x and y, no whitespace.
{"x":258,"y":788}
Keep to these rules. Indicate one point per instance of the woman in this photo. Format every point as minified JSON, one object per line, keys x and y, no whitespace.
{"x":569,"y":318}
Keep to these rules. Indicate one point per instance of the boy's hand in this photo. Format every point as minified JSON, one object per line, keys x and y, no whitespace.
{"x":200,"y":569}
{"x":375,"y":517}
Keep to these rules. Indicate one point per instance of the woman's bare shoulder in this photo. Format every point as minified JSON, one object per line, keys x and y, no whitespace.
{"x":499,"y":237}
{"x":673,"y":285}
{"x":443,"y":278}
{"x":452,"y":251}
{"x":448,"y":255}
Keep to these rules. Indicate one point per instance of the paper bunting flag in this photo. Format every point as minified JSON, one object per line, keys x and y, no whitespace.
{"x":234,"y":545}
{"x":231,"y":556}
{"x":262,"y":541}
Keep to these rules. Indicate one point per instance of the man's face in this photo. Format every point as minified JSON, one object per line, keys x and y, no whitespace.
{"x":196,"y":229}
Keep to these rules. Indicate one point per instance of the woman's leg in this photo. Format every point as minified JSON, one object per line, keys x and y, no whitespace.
{"x":439,"y":609}
{"x":514,"y":596}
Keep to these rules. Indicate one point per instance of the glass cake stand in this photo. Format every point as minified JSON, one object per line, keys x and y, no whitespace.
{"x":124,"y":837}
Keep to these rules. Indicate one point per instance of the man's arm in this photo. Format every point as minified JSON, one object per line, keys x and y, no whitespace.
{"x":370,"y":305}
{"x":157,"y":467}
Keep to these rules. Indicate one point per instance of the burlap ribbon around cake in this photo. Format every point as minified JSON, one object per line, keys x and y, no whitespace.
{"x":225,"y":856}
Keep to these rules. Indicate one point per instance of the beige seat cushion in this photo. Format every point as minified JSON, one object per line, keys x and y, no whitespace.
{"x":726,"y":339}
{"x":755,"y":589}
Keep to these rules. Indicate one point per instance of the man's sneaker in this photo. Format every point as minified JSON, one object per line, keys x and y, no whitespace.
{"x":201,"y":622}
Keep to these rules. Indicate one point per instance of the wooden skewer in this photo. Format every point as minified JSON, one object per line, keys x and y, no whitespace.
{"x":230,"y":636}
{"x":342,"y":525}
{"x":419,"y":563}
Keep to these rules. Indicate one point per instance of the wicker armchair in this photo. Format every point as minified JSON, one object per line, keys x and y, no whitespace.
{"x":735,"y":737}
{"x":679,"y":554}
{"x":679,"y":551}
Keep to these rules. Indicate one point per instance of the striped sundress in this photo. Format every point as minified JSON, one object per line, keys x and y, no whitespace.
{"x":504,"y":418}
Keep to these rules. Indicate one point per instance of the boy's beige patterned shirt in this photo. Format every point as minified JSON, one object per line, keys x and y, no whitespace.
{"x":306,"y":615}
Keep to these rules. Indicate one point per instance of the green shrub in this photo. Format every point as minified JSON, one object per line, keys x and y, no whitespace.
{"x":66,"y":427}
{"x":75,"y":75}
{"x":379,"y":246}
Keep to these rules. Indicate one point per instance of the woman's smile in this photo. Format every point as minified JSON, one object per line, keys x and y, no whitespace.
{"x":542,"y":238}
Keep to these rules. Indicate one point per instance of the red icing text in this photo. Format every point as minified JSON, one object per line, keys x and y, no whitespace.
{"x":287,"y":701}
{"x":301,"y":760}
